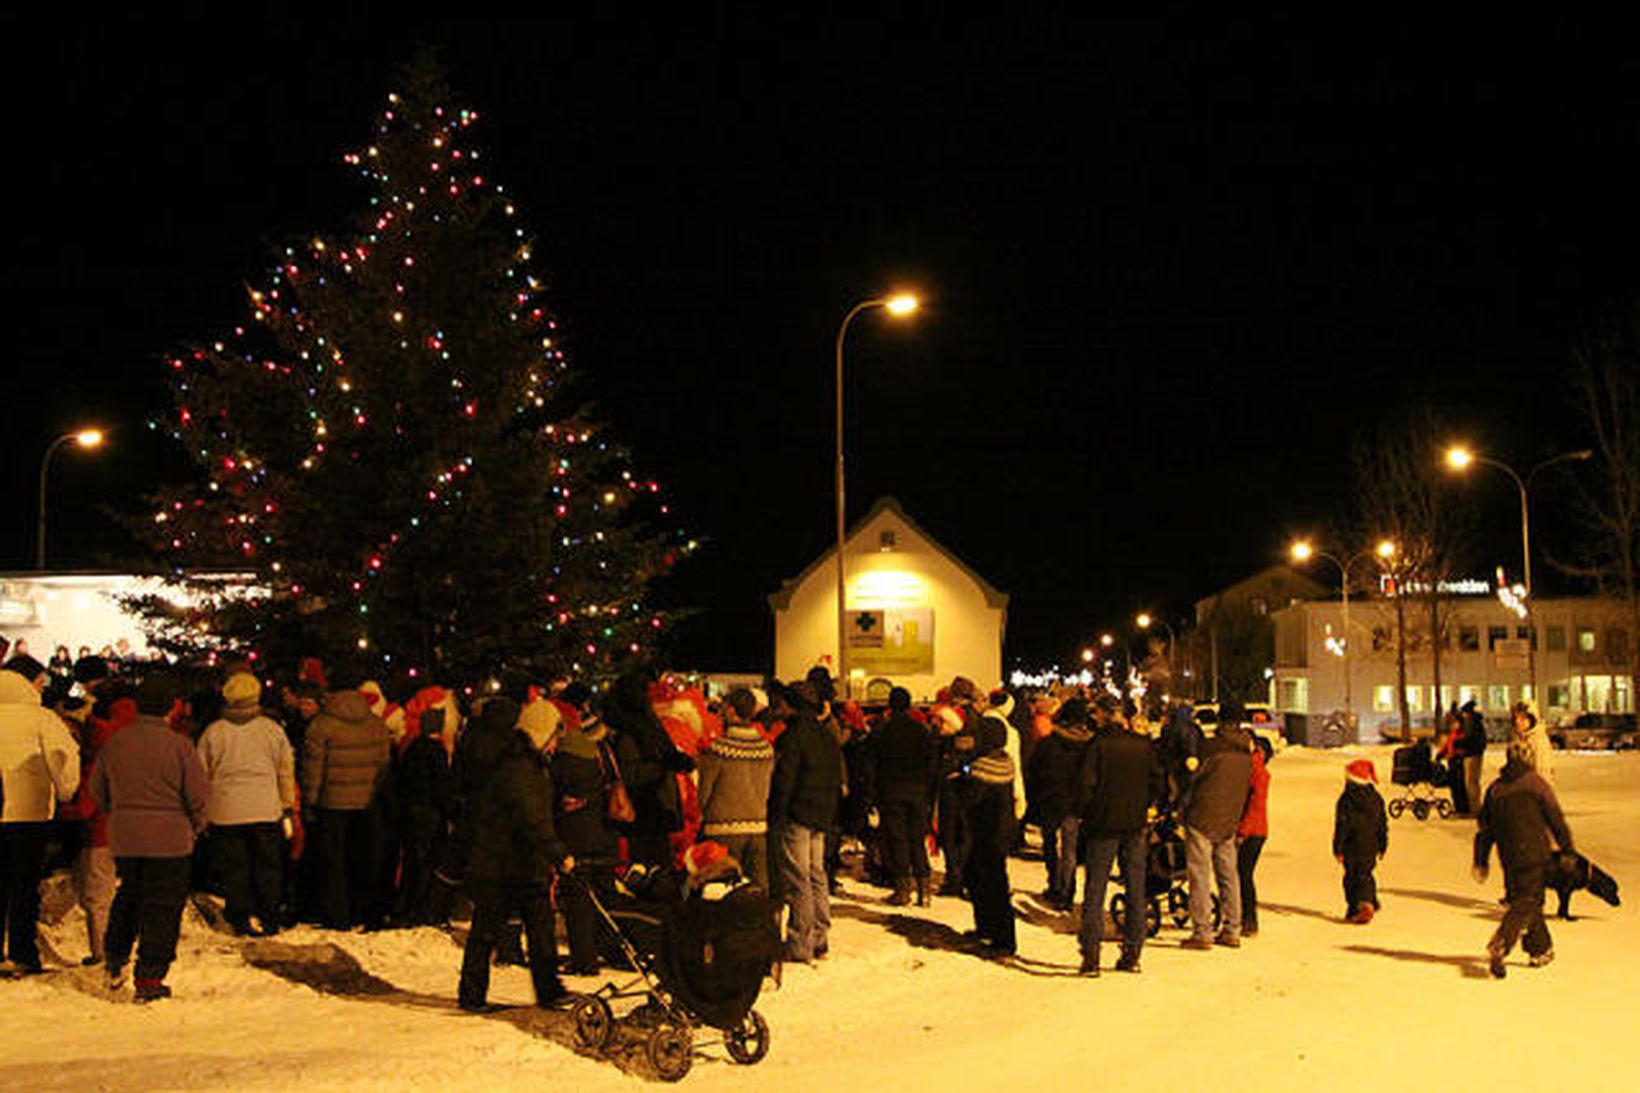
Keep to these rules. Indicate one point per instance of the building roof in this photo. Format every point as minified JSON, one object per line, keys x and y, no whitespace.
{"x":780,"y":600}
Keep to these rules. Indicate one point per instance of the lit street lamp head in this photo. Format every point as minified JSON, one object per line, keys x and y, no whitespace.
{"x":903,"y":304}
{"x":1459,"y":458}
{"x":88,"y":438}
{"x":1301,"y":551}
{"x":1385,"y":549}
{"x":1143,"y":621}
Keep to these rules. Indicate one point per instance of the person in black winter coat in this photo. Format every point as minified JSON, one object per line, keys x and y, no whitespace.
{"x":902,"y":766}
{"x":1521,"y":817}
{"x":426,"y":785}
{"x":990,"y":801}
{"x":649,"y":766}
{"x":1360,"y":838}
{"x":515,"y":852}
{"x":582,"y":770}
{"x":803,"y":796}
{"x":1123,"y":780}
{"x":1056,"y":798}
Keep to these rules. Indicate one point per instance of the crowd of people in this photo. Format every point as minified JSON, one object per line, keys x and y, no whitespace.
{"x":329,"y":803}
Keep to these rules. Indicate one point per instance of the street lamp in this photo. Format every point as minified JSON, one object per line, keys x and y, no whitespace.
{"x":85,"y":438}
{"x":900,"y":305}
{"x":1303,"y":550}
{"x":1459,"y":459}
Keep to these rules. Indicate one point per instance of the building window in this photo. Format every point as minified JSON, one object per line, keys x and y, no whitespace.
{"x":1383,"y":699}
{"x":1469,"y":692}
{"x":1446,"y":699}
{"x":1469,"y":639}
{"x":1525,"y":633}
{"x":885,"y":540}
{"x":1495,"y":634}
{"x":1622,"y":698}
{"x":1554,"y":638}
{"x":1560,"y":695}
{"x":1497,"y":697}
{"x":1415,"y":699}
{"x":1293,"y":695}
{"x":1585,"y":639}
{"x":1617,"y":645}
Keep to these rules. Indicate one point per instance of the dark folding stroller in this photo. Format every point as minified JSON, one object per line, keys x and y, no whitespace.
{"x":699,"y":960}
{"x":1167,"y":893}
{"x":1419,"y":777}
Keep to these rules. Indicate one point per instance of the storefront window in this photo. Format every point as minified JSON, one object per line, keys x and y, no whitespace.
{"x":1560,"y":695}
{"x":1383,"y":699}
{"x":1497,"y":697}
{"x":1293,"y":695}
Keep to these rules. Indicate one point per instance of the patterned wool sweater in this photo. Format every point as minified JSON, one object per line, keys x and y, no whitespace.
{"x":735,"y":772}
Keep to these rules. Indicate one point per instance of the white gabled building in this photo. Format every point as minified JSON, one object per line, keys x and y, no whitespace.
{"x":917,"y":615}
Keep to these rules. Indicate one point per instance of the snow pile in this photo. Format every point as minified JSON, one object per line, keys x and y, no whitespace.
{"x":1310,"y":1000}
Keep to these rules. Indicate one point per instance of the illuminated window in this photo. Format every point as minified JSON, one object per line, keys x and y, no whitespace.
{"x":1383,"y":699}
{"x":1585,"y":639}
{"x":1469,"y":692}
{"x":1293,"y":695}
{"x":1560,"y":695}
{"x":1497,"y":696}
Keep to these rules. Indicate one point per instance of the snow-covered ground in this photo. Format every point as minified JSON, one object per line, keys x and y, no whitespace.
{"x":1311,"y":1001}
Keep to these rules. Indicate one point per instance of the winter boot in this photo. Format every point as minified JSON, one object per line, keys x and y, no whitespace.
{"x":925,"y":896}
{"x":901,"y":894}
{"x":1541,"y":959}
{"x":151,"y":990}
{"x":1494,"y":962}
{"x":1128,"y":962}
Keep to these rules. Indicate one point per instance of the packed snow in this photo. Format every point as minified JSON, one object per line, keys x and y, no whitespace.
{"x":1406,"y":1000}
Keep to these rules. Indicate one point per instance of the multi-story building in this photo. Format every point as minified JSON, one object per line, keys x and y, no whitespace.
{"x":1574,"y":653}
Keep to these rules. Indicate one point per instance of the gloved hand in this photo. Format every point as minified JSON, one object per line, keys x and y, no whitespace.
{"x":1480,"y":873}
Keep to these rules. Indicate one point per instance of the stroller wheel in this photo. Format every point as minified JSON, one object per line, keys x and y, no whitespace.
{"x":1444,"y":807}
{"x":594,"y":1023}
{"x":671,"y":1052}
{"x":1118,"y":909}
{"x":1396,"y":807}
{"x":750,"y":1042}
{"x":1178,"y":906}
{"x":1420,"y":809}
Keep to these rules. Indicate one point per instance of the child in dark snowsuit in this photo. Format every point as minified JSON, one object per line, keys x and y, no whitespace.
{"x":1360,"y":837}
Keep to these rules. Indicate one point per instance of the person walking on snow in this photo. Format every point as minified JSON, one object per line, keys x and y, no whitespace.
{"x":1215,"y":799}
{"x":1360,"y":838}
{"x":1521,"y":817}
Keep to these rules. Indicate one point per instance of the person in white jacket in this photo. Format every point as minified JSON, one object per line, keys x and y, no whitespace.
{"x":1530,"y":733}
{"x":252,"y":773}
{"x":39,"y":766}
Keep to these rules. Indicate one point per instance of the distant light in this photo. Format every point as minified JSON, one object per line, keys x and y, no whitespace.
{"x":1143,"y":621}
{"x":1459,"y":458}
{"x":903,"y":304}
{"x":88,"y":438}
{"x":1087,"y":656}
{"x":1385,"y":549}
{"x":1301,"y":551}
{"x":1106,"y":640}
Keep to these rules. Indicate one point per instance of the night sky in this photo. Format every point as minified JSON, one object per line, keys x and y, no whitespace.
{"x":1174,"y":271}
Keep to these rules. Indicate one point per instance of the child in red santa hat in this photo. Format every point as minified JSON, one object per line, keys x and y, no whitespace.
{"x":1360,"y":837}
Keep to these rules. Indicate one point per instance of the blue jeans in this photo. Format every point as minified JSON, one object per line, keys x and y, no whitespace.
{"x":1102,"y":854}
{"x":805,"y":889}
{"x":1207,"y":862}
{"x":1063,"y":881}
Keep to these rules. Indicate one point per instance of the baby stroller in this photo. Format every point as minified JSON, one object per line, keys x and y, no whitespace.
{"x":699,"y":960}
{"x":1167,"y":893}
{"x":1418,"y":775}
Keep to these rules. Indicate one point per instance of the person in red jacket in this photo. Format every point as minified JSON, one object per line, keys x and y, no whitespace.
{"x":1251,"y":833}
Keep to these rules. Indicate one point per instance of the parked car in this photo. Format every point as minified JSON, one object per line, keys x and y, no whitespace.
{"x":1261,"y":721}
{"x":1602,"y":731}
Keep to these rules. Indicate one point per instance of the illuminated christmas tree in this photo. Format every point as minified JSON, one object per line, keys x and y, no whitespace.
{"x":394,"y":479}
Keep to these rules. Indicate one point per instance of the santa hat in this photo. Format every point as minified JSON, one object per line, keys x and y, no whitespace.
{"x":949,"y":719}
{"x":703,"y":856}
{"x":372,"y":692}
{"x":1361,"y":772}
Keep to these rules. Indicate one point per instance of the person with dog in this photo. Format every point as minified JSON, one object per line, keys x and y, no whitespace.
{"x":1521,"y":816}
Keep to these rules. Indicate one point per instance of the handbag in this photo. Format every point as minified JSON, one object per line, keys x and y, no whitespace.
{"x":620,"y":807}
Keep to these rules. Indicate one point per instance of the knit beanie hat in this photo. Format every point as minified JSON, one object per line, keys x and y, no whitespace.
{"x":1361,"y":772}
{"x":702,"y":855}
{"x":541,"y":722}
{"x":242,"y":689}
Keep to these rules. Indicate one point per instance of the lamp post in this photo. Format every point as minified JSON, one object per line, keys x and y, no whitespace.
{"x":1144,"y":621}
{"x":900,"y":305}
{"x":1302,"y":551}
{"x":1460,"y":458}
{"x":85,"y":438}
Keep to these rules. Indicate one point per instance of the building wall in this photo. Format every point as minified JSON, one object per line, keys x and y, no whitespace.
{"x":1582,"y":659}
{"x":912,"y":574}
